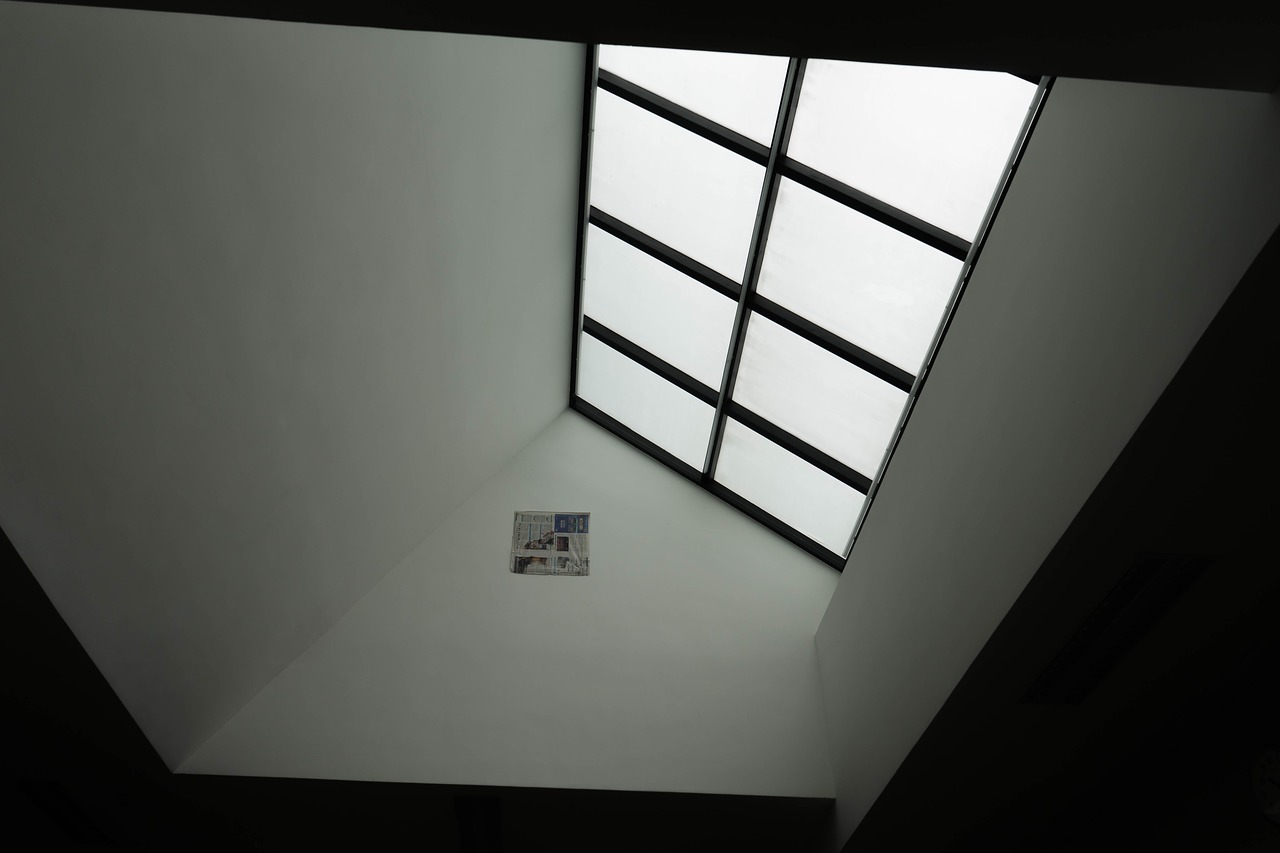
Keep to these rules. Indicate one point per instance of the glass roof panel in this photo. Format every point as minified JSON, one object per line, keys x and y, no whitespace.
{"x":691,"y":194}
{"x":914,"y":143}
{"x":736,"y":90}
{"x":644,"y":401}
{"x":930,"y":141}
{"x":822,"y":399}
{"x":785,"y":486}
{"x":870,"y":284}
{"x":683,"y":322}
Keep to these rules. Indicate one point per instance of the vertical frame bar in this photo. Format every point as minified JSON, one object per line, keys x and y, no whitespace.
{"x":755,"y":257}
{"x":584,"y":208}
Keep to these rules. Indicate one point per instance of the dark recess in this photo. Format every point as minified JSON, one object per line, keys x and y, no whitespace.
{"x":1123,"y":618}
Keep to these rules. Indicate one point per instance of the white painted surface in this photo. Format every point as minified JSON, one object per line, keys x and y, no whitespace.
{"x":684,"y":662}
{"x":1136,"y":211}
{"x":275,"y":299}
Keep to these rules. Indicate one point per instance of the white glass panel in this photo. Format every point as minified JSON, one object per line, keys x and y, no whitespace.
{"x":868,"y":283}
{"x":736,"y":90}
{"x":784,"y":485}
{"x":930,"y":141}
{"x":644,"y":401}
{"x":674,"y":317}
{"x":819,"y":397}
{"x":691,"y":194}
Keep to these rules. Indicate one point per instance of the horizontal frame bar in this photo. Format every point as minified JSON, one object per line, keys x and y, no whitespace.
{"x":658,"y":250}
{"x":743,"y":146}
{"x":777,"y":525}
{"x":834,"y":344}
{"x":636,"y":440}
{"x":793,"y":322}
{"x":665,"y":370}
{"x":799,"y":447}
{"x":644,"y":358}
{"x":867,"y":205}
{"x":684,"y":469}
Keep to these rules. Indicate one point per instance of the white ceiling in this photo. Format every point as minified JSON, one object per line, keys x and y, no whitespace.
{"x":276,"y":299}
{"x":684,"y":662}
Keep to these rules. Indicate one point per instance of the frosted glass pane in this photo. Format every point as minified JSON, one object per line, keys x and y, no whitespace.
{"x":930,"y":141}
{"x":819,"y":397}
{"x":673,"y":185}
{"x":868,"y":283}
{"x":644,"y":401}
{"x":647,"y":302}
{"x":784,"y":485}
{"x":736,"y":90}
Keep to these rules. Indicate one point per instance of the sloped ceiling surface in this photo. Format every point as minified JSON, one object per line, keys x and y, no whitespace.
{"x":276,"y":299}
{"x":1135,"y":212}
{"x":684,"y":662}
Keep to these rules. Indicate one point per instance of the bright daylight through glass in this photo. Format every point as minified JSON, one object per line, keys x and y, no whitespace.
{"x":770,"y":249}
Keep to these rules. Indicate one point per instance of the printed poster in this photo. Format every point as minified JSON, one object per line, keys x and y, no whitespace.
{"x":551,"y":543}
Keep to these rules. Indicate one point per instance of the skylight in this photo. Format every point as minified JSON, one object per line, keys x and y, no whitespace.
{"x":770,"y":249}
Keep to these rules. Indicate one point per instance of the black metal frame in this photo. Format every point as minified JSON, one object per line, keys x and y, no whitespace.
{"x":777,"y":166}
{"x":584,"y":203}
{"x":684,"y":117}
{"x":787,"y":105}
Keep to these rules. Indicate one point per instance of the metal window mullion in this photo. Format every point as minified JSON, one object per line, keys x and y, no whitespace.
{"x":684,"y":469}
{"x":644,"y":358}
{"x":658,"y":250}
{"x":755,"y":256}
{"x":777,"y":525}
{"x":833,"y":343}
{"x":771,"y":431}
{"x":584,"y":208}
{"x":635,"y":439}
{"x":743,"y":146}
{"x":874,"y":208}
{"x":799,"y":447}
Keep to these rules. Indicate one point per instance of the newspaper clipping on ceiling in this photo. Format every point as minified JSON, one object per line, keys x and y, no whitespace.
{"x":551,"y":543}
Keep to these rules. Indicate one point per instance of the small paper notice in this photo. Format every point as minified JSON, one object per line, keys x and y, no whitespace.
{"x":551,"y":543}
